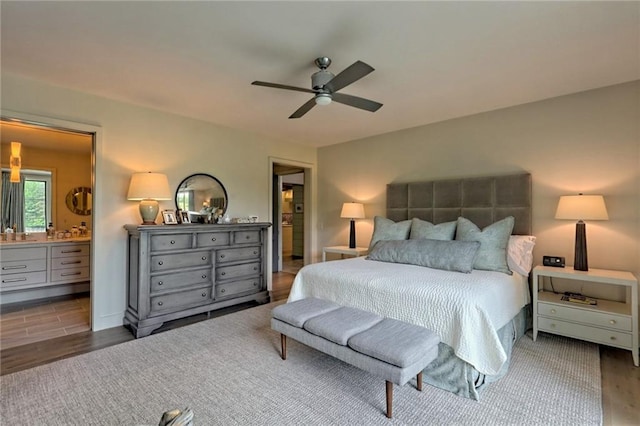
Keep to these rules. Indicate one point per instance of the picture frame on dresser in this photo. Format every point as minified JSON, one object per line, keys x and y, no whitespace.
{"x":183,"y":216}
{"x":169,"y":217}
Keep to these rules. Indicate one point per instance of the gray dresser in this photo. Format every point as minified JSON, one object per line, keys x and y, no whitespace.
{"x":175,"y":271}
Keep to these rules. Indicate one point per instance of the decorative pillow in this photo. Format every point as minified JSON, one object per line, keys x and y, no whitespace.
{"x":520,"y":253}
{"x":421,"y":229}
{"x":438,"y":254}
{"x":492,"y":254}
{"x":386,"y":229}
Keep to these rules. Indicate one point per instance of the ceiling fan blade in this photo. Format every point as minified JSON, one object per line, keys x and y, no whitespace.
{"x":357,"y":102}
{"x":281,"y":86}
{"x":304,"y":108}
{"x":352,"y":73}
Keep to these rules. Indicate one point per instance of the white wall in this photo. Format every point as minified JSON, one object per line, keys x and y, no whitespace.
{"x":586,"y":142}
{"x":137,"y":139}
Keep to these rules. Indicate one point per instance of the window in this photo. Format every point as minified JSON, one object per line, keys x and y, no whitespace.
{"x":37,"y":200}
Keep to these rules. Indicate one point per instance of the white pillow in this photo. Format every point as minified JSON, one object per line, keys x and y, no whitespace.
{"x":520,"y":253}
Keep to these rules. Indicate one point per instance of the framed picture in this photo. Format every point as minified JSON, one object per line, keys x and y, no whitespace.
{"x":299,"y":208}
{"x":169,"y":217}
{"x":184,"y":216}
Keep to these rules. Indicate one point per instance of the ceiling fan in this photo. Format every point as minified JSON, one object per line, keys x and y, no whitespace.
{"x":325,"y":86}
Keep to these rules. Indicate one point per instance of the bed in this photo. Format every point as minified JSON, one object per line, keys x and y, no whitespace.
{"x":445,"y":278}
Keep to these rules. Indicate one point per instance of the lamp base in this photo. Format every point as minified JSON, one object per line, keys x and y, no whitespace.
{"x":352,"y":234}
{"x":580,"y":255}
{"x":149,"y":211}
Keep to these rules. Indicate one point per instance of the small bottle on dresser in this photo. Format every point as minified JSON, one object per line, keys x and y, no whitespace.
{"x":51,"y":232}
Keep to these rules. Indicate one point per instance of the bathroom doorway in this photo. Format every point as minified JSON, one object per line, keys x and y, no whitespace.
{"x":57,"y":301}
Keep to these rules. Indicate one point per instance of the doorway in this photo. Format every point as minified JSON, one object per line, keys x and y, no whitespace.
{"x":56,"y":302}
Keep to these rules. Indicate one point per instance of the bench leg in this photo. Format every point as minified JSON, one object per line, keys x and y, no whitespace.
{"x":419,"y":381}
{"x":389,"y":399}
{"x":283,"y":346}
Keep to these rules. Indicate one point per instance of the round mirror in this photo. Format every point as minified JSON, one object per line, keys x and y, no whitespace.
{"x":78,"y":200}
{"x":201,"y":194}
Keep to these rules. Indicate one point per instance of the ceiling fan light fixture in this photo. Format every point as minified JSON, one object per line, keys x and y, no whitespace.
{"x":323,"y":99}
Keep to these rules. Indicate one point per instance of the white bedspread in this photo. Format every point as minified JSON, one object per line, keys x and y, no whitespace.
{"x":465,"y":310}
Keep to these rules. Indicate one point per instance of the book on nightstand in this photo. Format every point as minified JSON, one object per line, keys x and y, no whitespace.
{"x":578,"y":298}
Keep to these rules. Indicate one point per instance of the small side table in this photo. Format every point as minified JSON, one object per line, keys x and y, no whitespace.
{"x":344,"y":250}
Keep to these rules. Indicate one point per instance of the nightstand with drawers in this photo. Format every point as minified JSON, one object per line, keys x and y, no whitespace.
{"x":608,"y":322}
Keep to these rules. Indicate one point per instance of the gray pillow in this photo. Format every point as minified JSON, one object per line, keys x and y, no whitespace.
{"x":492,"y":254}
{"x":438,"y":254}
{"x":421,"y":229}
{"x":386,"y":229}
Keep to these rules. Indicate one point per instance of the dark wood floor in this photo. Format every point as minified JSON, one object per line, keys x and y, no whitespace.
{"x":620,"y":379}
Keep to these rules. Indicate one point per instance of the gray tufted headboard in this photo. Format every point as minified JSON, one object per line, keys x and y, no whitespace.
{"x":481,"y":200}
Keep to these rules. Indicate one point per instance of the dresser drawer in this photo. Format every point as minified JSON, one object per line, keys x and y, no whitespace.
{"x":170,"y":242}
{"x":237,"y":271}
{"x":237,"y":288}
{"x":70,"y":274}
{"x":12,"y":254}
{"x":164,"y":262}
{"x":69,"y":262}
{"x":585,"y":332}
{"x":181,"y":300}
{"x":16,"y":281}
{"x":180,"y":279}
{"x":213,"y":239}
{"x":241,"y":237}
{"x":597,"y":318}
{"x":70,"y":250}
{"x":23,"y":266}
{"x":234,"y":254}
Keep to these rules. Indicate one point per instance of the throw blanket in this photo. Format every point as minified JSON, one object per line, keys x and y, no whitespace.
{"x":465,"y":310}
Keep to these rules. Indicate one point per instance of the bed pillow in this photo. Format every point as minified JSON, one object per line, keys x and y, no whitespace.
{"x":438,"y":254}
{"x":520,"y":253}
{"x":492,"y":254}
{"x":421,"y":229}
{"x":386,"y":229}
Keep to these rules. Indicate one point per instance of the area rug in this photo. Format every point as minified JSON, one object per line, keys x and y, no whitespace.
{"x":228,"y":371}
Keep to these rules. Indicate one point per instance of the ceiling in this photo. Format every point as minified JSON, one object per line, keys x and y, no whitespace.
{"x":433,"y":60}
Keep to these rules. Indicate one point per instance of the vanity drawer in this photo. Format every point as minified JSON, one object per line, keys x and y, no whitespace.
{"x":241,"y":237}
{"x":597,"y":318}
{"x":180,"y":300}
{"x":171,"y":242}
{"x":69,"y":262}
{"x":164,"y":262}
{"x":585,"y":332}
{"x":235,"y":271}
{"x":232,"y":255}
{"x":213,"y":239}
{"x":16,"y":281}
{"x":70,"y":274}
{"x":70,"y":250}
{"x":13,"y":254}
{"x":236,"y":288}
{"x":23,"y":266}
{"x":181,"y":279}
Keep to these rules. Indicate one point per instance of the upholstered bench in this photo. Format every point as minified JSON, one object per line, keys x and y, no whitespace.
{"x":391,"y":349}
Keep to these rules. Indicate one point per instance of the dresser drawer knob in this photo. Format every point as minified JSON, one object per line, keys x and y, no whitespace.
{"x":160,"y":303}
{"x":222,"y":291}
{"x":613,"y":338}
{"x":222,"y":256}
{"x":247,"y":237}
{"x":223,"y":273}
{"x":204,"y":257}
{"x":173,"y":241}
{"x":255,"y":284}
{"x":213,"y":239}
{"x":553,"y":311}
{"x":204,"y":294}
{"x":160,"y":282}
{"x":255,"y":252}
{"x":612,"y":321}
{"x":255,"y":268}
{"x":161,"y":263}
{"x":204,"y":276}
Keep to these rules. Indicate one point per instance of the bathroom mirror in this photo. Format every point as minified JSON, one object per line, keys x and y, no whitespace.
{"x":78,"y":200}
{"x":201,"y":194}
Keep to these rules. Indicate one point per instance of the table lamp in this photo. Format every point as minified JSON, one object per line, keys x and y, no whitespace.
{"x":352,"y":211}
{"x":147,"y":188}
{"x":581,"y":207}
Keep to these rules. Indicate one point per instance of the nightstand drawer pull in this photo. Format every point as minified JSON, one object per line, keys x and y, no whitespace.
{"x":160,"y":283}
{"x":173,"y":241}
{"x":553,"y":311}
{"x":204,"y":257}
{"x":612,"y":322}
{"x":160,"y":303}
{"x":204,"y":276}
{"x":204,"y":294}
{"x":613,"y":338}
{"x":161,"y":263}
{"x":213,"y":239}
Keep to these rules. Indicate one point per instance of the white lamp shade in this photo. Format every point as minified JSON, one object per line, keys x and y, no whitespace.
{"x":147,"y":185}
{"x":582,"y":207}
{"x":352,"y":211}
